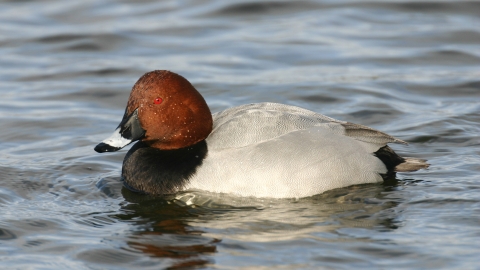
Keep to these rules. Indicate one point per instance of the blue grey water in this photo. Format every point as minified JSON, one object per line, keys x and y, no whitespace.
{"x":409,"y":68}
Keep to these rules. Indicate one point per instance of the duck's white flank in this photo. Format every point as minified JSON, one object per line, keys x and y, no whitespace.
{"x":276,"y":150}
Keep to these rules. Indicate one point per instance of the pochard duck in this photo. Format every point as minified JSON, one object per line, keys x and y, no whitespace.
{"x":261,"y":150}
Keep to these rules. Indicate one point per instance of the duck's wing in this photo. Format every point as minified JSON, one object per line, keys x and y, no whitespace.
{"x":253,"y":123}
{"x":368,"y":134}
{"x":297,"y":164}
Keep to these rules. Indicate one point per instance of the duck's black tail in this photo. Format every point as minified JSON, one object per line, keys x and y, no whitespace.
{"x":396,"y":163}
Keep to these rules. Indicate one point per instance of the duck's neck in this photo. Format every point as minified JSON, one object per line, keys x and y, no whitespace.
{"x":154,"y":171}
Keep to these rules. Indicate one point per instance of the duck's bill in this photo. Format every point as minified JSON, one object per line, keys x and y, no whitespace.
{"x":127,"y":132}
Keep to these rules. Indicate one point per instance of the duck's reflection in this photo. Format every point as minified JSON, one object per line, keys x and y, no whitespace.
{"x":167,"y":227}
{"x":162,"y":230}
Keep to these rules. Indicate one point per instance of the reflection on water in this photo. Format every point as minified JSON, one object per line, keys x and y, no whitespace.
{"x":188,"y":227}
{"x":409,"y":68}
{"x":165,"y":231}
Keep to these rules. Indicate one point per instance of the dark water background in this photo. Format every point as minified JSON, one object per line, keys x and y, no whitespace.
{"x":409,"y":68}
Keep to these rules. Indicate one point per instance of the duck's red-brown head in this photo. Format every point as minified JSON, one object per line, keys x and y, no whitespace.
{"x":164,"y":111}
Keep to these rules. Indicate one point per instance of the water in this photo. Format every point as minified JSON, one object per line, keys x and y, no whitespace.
{"x":410,"y":69}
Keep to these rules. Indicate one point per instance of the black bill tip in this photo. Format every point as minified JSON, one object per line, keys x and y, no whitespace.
{"x":103,"y":147}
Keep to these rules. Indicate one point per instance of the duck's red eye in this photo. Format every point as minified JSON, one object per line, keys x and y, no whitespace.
{"x":158,"y":100}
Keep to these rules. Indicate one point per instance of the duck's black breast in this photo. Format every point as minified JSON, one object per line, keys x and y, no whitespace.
{"x":154,"y":171}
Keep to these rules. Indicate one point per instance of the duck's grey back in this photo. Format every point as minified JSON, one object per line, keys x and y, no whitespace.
{"x":281,"y":151}
{"x":253,"y":123}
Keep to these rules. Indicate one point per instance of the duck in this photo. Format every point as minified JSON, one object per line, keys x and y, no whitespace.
{"x":267,"y":150}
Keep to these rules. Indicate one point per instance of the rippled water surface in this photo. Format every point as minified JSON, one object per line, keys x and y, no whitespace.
{"x":411,"y":69}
